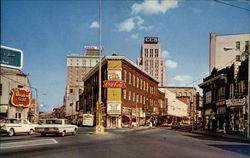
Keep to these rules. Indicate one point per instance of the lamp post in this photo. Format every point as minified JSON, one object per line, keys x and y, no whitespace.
{"x":99,"y":129}
{"x":247,"y":53}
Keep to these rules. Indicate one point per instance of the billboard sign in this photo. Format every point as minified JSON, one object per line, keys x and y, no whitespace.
{"x":20,"y":97}
{"x":11,"y":57}
{"x":114,"y":84}
{"x":151,"y":40}
{"x":114,"y":74}
{"x":114,"y":108}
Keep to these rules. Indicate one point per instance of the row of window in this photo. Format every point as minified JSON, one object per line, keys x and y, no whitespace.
{"x":238,"y":44}
{"x":139,"y":83}
{"x":132,"y":96}
{"x":221,"y":92}
{"x":150,"y":52}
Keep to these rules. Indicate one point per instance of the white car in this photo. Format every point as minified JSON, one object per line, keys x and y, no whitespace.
{"x":56,"y":126}
{"x":13,"y":126}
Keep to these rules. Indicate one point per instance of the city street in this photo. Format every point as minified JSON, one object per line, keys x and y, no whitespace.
{"x":125,"y":143}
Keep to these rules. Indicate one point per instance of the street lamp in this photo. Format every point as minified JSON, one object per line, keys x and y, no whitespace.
{"x":99,"y":129}
{"x":247,"y":53}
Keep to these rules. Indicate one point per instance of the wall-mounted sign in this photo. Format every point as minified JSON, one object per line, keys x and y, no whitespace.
{"x":114,"y":94}
{"x":114,"y":65}
{"x":218,"y":103}
{"x":114,"y":74}
{"x":114,"y":84}
{"x":20,"y":97}
{"x":11,"y":57}
{"x":92,"y":47}
{"x":151,"y":40}
{"x":236,"y":102}
{"x":114,"y":108}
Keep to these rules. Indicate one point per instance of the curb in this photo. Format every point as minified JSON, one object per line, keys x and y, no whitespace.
{"x":219,"y":135}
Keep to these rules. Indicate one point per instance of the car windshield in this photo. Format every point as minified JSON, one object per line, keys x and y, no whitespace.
{"x":53,"y":122}
{"x":8,"y":121}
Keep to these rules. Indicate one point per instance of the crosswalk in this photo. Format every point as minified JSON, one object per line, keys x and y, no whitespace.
{"x":27,"y":143}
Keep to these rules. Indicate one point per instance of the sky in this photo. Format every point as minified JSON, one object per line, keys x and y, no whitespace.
{"x":47,"y":31}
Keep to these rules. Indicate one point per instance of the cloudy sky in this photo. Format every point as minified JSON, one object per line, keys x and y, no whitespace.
{"x":47,"y":31}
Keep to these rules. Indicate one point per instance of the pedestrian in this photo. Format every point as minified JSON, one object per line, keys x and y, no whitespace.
{"x":150,"y":124}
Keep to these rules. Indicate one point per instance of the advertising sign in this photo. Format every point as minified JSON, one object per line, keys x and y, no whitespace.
{"x":20,"y":97}
{"x":114,"y":84}
{"x":114,"y":74}
{"x":114,"y":65}
{"x":88,"y":120}
{"x":114,"y":94}
{"x":236,"y":102}
{"x":11,"y":57}
{"x":114,"y":108}
{"x":152,"y":40}
{"x":92,"y":47}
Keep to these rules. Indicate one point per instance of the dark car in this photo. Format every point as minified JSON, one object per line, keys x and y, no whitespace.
{"x":176,"y":125}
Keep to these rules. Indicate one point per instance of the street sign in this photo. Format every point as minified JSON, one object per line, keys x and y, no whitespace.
{"x":11,"y":57}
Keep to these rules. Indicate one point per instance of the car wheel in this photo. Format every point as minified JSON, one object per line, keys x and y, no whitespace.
{"x":63,"y":134}
{"x":11,"y":132}
{"x":74,"y":132}
{"x":43,"y":134}
{"x":31,"y":132}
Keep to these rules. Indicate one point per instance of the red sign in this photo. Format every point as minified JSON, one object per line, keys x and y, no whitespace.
{"x":114,"y":84}
{"x":20,"y":97}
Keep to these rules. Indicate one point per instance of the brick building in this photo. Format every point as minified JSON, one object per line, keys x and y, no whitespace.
{"x":130,"y":95}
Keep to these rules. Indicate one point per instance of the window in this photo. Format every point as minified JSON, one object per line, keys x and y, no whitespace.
{"x":146,"y":52}
{"x":133,"y":96}
{"x":133,"y":80}
{"x":129,"y":76}
{"x":18,"y":115}
{"x":151,"y":52}
{"x":221,"y":93}
{"x":1,"y":91}
{"x":247,"y":45}
{"x":156,"y":53}
{"x":137,"y":85}
{"x":208,"y":97}
{"x":231,"y":90}
{"x":237,"y":44}
{"x":129,"y":95}
{"x":124,"y":94}
{"x":241,"y":86}
{"x":125,"y":74}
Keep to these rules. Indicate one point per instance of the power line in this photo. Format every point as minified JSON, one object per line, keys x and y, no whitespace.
{"x":232,"y":5}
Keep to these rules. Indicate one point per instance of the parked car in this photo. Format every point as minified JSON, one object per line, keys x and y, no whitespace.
{"x":13,"y":126}
{"x":56,"y":126}
{"x":176,"y":125}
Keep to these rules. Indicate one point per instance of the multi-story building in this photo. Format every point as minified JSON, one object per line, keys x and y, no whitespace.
{"x":58,"y":112}
{"x":79,"y":65}
{"x":225,"y":99}
{"x":129,"y":94}
{"x":176,"y":110}
{"x":151,"y":61}
{"x":190,"y":96}
{"x":15,"y":88}
{"x":220,"y":56}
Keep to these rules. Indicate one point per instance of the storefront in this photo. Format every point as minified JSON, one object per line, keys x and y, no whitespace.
{"x":221,"y":119}
{"x":237,"y":111}
{"x":210,"y":122}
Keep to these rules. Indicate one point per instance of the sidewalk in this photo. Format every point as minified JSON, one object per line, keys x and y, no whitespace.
{"x":224,"y":135}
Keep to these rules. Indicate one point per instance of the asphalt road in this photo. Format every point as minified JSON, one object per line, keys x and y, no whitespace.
{"x":123,"y":143}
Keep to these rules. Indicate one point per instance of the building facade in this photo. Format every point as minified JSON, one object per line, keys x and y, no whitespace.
{"x":226,"y":49}
{"x":225,"y":99}
{"x":192,"y":98}
{"x":151,"y":61}
{"x":176,"y":110}
{"x":130,"y":95}
{"x":15,"y":89}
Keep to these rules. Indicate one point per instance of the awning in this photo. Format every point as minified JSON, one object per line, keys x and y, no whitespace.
{"x":3,"y":109}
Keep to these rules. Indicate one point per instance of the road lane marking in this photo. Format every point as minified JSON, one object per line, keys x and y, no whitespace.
{"x":27,"y":143}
